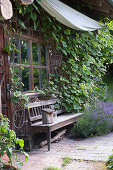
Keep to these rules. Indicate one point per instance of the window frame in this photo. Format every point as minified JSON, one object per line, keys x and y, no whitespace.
{"x":30,"y":65}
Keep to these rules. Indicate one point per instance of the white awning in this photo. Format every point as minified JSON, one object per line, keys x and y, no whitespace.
{"x":68,"y":16}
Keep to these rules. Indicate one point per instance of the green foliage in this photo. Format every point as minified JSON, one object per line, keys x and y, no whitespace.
{"x":16,"y":94}
{"x":79,"y":78}
{"x":52,"y":168}
{"x":8,"y":140}
{"x":49,"y":90}
{"x":66,"y":160}
{"x":109,"y":163}
{"x":109,"y":81}
{"x":16,"y":81}
{"x":22,"y":24}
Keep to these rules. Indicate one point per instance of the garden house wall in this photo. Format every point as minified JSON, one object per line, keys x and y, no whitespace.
{"x":53,"y":61}
{"x":31,"y":70}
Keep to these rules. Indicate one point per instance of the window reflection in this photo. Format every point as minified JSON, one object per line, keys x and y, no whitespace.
{"x":24,"y":51}
{"x":25,"y":79}
{"x":44,"y":78}
{"x":36,"y":78}
{"x":14,"y":50}
{"x":43,"y":55}
{"x":35,"y":53}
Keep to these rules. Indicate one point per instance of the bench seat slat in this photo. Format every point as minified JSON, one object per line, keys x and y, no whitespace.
{"x":59,"y":119}
{"x":42,"y":103}
{"x":38,"y":117}
{"x":34,"y":118}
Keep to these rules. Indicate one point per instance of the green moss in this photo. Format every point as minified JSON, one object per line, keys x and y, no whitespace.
{"x":66,"y":160}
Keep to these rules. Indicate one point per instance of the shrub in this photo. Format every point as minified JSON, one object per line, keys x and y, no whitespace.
{"x":109,"y":163}
{"x":97,"y":120}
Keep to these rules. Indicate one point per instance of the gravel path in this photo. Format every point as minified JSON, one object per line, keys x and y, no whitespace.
{"x":90,"y":150}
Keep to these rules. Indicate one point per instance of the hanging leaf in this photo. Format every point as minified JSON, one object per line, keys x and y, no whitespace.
{"x":64,"y":44}
{"x":22,"y":24}
{"x":67,"y":31}
{"x":64,"y":51}
{"x":33,"y":16}
{"x":36,"y":7}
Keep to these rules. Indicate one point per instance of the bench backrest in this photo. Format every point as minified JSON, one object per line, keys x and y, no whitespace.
{"x":35,"y":109}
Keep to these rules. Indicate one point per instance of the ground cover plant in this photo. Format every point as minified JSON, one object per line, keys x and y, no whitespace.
{"x":8,"y":142}
{"x":97,"y":120}
{"x":52,"y":168}
{"x":66,"y":160}
{"x":109,"y":163}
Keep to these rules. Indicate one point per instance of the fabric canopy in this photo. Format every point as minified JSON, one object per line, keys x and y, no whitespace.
{"x":68,"y":16}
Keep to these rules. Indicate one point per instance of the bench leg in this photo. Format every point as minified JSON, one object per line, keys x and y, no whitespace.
{"x":49,"y":138}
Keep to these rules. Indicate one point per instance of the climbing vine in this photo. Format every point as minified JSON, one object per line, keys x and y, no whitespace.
{"x":15,"y":80}
{"x":79,"y":79}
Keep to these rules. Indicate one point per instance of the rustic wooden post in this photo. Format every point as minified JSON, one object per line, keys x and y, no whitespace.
{"x":49,"y":138}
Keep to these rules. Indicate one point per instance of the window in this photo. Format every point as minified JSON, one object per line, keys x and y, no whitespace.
{"x":31,"y":63}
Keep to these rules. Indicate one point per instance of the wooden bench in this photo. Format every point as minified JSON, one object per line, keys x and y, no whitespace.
{"x":62,"y":119}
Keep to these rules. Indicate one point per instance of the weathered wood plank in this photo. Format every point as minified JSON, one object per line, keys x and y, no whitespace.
{"x":57,"y":137}
{"x":34,"y":118}
{"x":31,"y":65}
{"x":60,"y":119}
{"x":2,"y":80}
{"x":42,"y":103}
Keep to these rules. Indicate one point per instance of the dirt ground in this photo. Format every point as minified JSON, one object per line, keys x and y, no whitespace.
{"x":73,"y":165}
{"x":85,"y":165}
{"x":86,"y":154}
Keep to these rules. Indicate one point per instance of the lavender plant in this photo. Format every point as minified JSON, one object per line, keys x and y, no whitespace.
{"x":97,"y":120}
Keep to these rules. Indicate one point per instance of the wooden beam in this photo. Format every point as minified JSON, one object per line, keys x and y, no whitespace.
{"x":56,"y":138}
{"x":31,"y":85}
{"x":2,"y":80}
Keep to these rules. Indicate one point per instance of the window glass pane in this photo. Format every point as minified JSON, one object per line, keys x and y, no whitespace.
{"x":36,"y":78}
{"x":44,"y":78}
{"x":35,"y":53}
{"x":25,"y":79}
{"x":16,"y":69}
{"x":14,"y":53}
{"x":43,"y":55}
{"x":17,"y":52}
{"x":24,"y":51}
{"x":17,"y":77}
